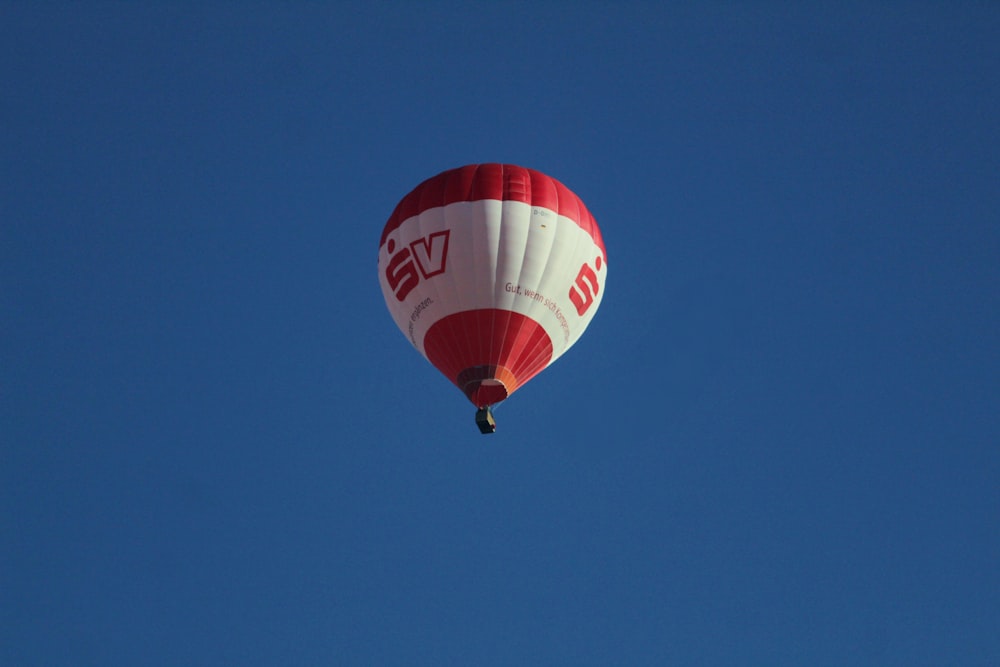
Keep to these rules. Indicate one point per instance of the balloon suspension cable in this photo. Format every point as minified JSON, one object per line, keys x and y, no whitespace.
{"x":485,"y":421}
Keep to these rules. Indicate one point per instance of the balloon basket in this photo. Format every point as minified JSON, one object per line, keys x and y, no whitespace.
{"x":485,"y":421}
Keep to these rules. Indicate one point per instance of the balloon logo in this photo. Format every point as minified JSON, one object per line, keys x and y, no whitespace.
{"x":492,"y":272}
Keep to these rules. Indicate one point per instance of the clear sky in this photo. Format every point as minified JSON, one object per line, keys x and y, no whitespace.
{"x":776,"y":444}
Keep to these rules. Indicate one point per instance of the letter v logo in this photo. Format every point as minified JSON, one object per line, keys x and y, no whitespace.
{"x":431,"y":253}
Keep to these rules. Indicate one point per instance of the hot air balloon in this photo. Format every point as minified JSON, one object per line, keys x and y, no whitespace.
{"x":492,"y":272}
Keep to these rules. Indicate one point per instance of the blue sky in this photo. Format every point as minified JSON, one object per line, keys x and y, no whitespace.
{"x":777,"y":443}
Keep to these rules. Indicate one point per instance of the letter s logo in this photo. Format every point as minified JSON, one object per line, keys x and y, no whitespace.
{"x":401,"y":272}
{"x":584,"y":289}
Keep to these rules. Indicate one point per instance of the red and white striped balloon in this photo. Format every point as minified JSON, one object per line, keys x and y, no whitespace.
{"x":492,"y":271}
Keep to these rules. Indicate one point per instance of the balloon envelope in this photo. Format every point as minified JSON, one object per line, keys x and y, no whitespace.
{"x":492,"y":272}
